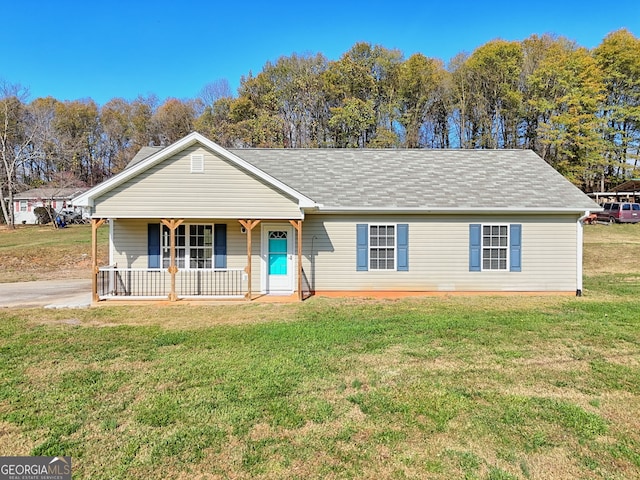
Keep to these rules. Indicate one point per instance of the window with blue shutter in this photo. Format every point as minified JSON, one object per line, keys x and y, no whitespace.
{"x":495,"y":247}
{"x":153,"y":245}
{"x":382,"y":247}
{"x":220,"y":245}
{"x":403,"y":247}
{"x":475,"y":246}
{"x":515,"y":247}
{"x":362,"y":247}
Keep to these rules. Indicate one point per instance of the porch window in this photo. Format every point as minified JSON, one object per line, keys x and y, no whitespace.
{"x":201,"y":246}
{"x":194,"y":246}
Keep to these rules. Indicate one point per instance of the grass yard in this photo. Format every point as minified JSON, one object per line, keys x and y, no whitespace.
{"x":463,"y":387}
{"x":42,"y":252}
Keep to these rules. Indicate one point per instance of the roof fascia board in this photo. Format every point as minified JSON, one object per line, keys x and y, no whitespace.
{"x":457,"y":211}
{"x":189,"y":218}
{"x":88,"y":197}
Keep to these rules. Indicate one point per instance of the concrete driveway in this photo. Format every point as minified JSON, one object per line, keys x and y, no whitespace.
{"x":70,"y":293}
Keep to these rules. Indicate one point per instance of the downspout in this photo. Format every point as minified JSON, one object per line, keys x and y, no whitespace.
{"x":579,"y":251}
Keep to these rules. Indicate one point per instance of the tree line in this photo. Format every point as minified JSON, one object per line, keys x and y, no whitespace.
{"x":579,"y":109}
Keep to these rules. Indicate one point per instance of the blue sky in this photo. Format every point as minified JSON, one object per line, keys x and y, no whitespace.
{"x":101,"y":50}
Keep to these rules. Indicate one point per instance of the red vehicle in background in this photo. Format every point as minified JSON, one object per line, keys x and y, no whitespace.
{"x":620,"y":212}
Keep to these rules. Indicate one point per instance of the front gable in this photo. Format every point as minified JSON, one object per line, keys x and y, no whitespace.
{"x":195,"y":180}
{"x":215,"y":189}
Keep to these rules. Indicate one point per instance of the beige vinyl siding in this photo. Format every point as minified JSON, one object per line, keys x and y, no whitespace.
{"x":170,"y":190}
{"x":439,"y":254}
{"x":130,"y":245}
{"x":130,"y":242}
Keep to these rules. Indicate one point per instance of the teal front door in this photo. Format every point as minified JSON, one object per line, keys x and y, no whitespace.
{"x":277,"y":241}
{"x":278,"y":252}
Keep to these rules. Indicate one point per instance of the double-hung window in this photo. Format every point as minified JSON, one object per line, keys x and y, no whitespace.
{"x":382,"y":247}
{"x":496,"y":247}
{"x":194,"y":246}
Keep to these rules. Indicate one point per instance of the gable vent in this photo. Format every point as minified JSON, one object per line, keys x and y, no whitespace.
{"x":197,"y":163}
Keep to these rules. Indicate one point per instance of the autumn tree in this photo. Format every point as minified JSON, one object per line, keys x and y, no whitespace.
{"x":578,"y":109}
{"x":458,"y":98}
{"x":420,"y":83}
{"x":173,"y":120}
{"x":78,"y":130}
{"x":494,"y":70}
{"x":567,"y":93}
{"x":618,"y":57}
{"x":361,"y":92}
{"x":383,"y":66}
{"x":535,"y":50}
{"x":117,"y":128}
{"x":142,"y":112}
{"x":213,"y":121}
{"x":255,"y":113}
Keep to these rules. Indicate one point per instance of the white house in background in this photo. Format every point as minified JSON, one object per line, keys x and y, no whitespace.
{"x":198,"y":220}
{"x":60,"y":199}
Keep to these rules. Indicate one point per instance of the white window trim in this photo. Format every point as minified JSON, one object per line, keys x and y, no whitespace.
{"x":508,"y":247}
{"x":187,"y":247}
{"x":395,"y":247}
{"x":25,"y":204}
{"x":197,"y":163}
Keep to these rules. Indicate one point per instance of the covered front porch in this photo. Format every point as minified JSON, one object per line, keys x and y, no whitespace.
{"x":271,"y":265}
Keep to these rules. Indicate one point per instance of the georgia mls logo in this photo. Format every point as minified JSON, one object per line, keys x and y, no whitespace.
{"x":35,"y":468}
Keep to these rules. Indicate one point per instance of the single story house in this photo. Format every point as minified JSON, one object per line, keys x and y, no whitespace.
{"x":60,"y":199}
{"x":197,"y":220}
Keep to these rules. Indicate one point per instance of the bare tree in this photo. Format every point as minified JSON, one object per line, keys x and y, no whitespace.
{"x":214,"y":91}
{"x":15,"y":144}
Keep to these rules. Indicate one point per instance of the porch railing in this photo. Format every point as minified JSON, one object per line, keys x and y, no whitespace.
{"x":210,"y":283}
{"x":156,"y":283}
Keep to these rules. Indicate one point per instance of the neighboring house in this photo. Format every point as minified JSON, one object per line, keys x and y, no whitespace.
{"x":197,"y":220}
{"x":59,"y":199}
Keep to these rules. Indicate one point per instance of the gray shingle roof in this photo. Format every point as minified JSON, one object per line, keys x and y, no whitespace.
{"x":144,"y":152}
{"x":420,"y":179}
{"x":50,"y":193}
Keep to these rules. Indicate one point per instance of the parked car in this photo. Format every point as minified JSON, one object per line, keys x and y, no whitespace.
{"x":620,"y":212}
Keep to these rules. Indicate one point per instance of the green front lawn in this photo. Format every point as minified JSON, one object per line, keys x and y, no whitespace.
{"x":472,"y":387}
{"x":450,"y":387}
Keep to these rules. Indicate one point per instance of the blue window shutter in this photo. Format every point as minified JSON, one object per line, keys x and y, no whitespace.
{"x":475,"y":247}
{"x":362,"y":264}
{"x":403,"y":247}
{"x":515,"y":247}
{"x":220,"y":245}
{"x":153,"y":245}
